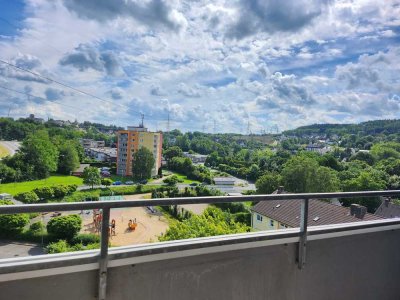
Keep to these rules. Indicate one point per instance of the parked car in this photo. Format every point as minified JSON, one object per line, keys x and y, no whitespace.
{"x":194,"y":184}
{"x":129,"y":182}
{"x":117,"y":183}
{"x":144,"y":181}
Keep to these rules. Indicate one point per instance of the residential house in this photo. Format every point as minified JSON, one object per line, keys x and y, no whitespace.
{"x":195,"y":158}
{"x":105,"y":154}
{"x":278,"y":214}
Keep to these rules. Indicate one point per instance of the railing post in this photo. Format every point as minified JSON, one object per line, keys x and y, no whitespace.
{"x":303,"y":234}
{"x":105,"y":225}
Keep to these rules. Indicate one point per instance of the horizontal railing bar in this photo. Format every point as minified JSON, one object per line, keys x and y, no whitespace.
{"x":48,"y":207}
{"x":41,"y":262}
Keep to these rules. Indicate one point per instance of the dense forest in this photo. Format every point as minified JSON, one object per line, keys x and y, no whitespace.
{"x":385,"y":127}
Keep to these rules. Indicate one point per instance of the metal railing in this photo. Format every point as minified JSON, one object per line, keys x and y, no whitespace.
{"x":106,"y":206}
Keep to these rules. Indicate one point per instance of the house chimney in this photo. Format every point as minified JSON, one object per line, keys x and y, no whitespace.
{"x":358,"y":211}
{"x":280,"y":189}
{"x":387,"y":201}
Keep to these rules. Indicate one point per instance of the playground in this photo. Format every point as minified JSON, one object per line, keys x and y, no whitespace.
{"x":149,"y":224}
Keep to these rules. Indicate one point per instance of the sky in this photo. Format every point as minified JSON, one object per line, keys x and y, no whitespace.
{"x":214,"y":66}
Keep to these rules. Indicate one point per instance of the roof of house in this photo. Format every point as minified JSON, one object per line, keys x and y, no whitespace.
{"x":224,"y":179}
{"x":319,"y":212}
{"x":388,"y":210}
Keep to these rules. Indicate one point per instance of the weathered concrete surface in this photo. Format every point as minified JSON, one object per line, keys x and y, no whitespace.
{"x":365,"y":266}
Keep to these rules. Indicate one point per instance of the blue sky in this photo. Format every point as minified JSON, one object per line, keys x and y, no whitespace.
{"x":264,"y":62}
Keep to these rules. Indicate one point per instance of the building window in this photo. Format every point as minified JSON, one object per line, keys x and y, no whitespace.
{"x":271,"y":222}
{"x":259,"y":218}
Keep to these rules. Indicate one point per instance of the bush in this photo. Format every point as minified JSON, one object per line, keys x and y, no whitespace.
{"x":58,"y":247}
{"x":83,"y":196}
{"x":60,"y":191}
{"x":27,"y":197}
{"x":36,"y":227}
{"x":106,"y":181}
{"x":63,"y":246}
{"x":86,"y":239}
{"x":64,"y":227}
{"x":45,"y":192}
{"x":11,"y":224}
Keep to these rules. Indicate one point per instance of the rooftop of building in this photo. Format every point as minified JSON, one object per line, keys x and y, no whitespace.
{"x":319,"y":212}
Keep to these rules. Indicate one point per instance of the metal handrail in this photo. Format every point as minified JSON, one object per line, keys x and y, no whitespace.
{"x":106,"y":206}
{"x":46,"y":207}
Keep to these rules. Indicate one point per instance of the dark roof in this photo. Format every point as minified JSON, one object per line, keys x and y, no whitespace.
{"x":324,"y":213}
{"x":388,"y":210}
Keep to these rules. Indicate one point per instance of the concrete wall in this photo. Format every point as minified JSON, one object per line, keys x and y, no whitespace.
{"x":364,"y":266}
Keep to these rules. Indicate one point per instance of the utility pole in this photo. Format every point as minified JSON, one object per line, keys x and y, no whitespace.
{"x":142,"y":122}
{"x":215,"y":127}
{"x":248,"y":127}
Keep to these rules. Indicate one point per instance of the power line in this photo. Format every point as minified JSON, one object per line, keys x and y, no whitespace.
{"x":60,"y":83}
{"x":30,"y":95}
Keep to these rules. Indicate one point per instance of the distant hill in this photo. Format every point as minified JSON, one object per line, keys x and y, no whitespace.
{"x":365,"y":128}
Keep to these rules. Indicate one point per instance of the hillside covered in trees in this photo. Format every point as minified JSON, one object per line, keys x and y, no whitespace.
{"x":385,"y":127}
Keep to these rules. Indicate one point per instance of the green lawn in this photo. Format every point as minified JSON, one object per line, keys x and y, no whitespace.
{"x":20,"y":187}
{"x":3,"y":151}
{"x":184,"y":178}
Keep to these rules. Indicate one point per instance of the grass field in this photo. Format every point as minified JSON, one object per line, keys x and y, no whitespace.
{"x":184,"y":178}
{"x":3,"y":151}
{"x":20,"y":187}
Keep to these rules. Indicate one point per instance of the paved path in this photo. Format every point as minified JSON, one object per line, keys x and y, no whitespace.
{"x":11,"y":146}
{"x":9,"y":249}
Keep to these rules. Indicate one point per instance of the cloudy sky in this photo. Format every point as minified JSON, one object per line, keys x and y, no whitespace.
{"x":266,"y":63}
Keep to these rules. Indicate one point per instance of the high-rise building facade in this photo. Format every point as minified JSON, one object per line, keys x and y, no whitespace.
{"x":130,"y":141}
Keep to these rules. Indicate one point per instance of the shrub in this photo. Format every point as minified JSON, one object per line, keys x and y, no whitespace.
{"x":58,"y":247}
{"x":45,"y":192}
{"x":36,"y":227}
{"x":60,"y":191}
{"x":72,"y":188}
{"x":11,"y":224}
{"x":106,"y":181}
{"x":64,"y":227}
{"x":86,"y":239}
{"x":27,"y":197}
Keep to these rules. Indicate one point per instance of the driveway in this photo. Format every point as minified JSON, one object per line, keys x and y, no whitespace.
{"x":9,"y":249}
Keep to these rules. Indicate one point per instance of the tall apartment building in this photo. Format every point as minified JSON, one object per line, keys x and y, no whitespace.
{"x":133,"y":139}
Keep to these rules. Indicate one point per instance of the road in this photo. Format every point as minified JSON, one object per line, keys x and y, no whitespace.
{"x":11,"y":146}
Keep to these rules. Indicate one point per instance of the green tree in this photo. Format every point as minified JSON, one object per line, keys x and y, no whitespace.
{"x":268,"y":183}
{"x":68,"y":159}
{"x":364,"y":156}
{"x":142,"y":164}
{"x":91,"y":176}
{"x":172,"y":152}
{"x":366,"y":181}
{"x":302,"y":174}
{"x":64,"y":227}
{"x":212,"y":222}
{"x":298,"y":173}
{"x":38,"y":157}
{"x":7,"y":174}
{"x":11,"y":224}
